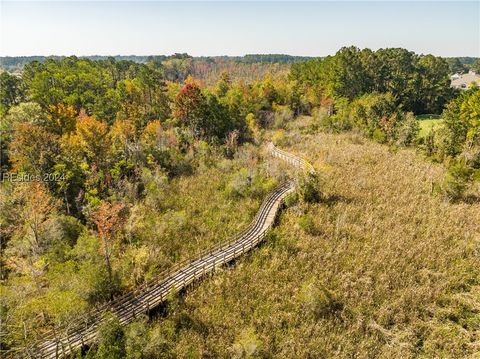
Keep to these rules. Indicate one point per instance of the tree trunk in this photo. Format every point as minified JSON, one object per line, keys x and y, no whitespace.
{"x":109,"y":267}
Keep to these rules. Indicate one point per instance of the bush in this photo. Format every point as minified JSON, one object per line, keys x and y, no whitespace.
{"x":279,"y":138}
{"x":408,"y":130}
{"x":283,"y":115}
{"x":309,"y":187}
{"x":318,"y":300}
{"x":307,"y":224}
{"x":111,"y":339}
{"x":456,"y":180}
{"x":291,"y":199}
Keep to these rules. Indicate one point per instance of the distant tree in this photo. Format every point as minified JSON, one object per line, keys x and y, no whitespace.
{"x":190,"y":107}
{"x":456,"y":65}
{"x":476,"y":66}
{"x":419,"y":84}
{"x":433,"y":85}
{"x":223,"y":84}
{"x":11,"y":91}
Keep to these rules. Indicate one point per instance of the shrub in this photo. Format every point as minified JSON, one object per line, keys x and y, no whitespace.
{"x":309,"y":187}
{"x":307,"y":224}
{"x":317,"y":300}
{"x":291,"y":199}
{"x":283,"y":115}
{"x":279,"y":138}
{"x":111,"y":338}
{"x":408,"y":130}
{"x":456,"y":180}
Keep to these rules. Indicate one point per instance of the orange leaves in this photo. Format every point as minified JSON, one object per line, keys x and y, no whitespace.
{"x":32,"y":148}
{"x":61,"y":118}
{"x":108,"y":218}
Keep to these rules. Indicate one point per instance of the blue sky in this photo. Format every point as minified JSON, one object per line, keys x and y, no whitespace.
{"x":236,"y":28}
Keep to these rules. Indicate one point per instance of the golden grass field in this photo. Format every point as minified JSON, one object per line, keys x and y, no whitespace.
{"x":382,"y":268}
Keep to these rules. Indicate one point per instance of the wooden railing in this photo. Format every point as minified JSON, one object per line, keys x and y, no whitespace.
{"x":64,"y":341}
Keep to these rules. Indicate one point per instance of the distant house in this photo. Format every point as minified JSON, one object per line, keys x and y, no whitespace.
{"x":463,"y":81}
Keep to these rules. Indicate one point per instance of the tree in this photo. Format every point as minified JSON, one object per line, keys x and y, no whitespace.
{"x":11,"y":91}
{"x":190,"y":107}
{"x":111,"y":337}
{"x":32,"y":150}
{"x":90,"y":140}
{"x":476,"y":66}
{"x":108,"y":220}
{"x":26,"y":112}
{"x":434,"y":85}
{"x":418,"y":83}
{"x":462,"y":122}
{"x":61,"y":118}
{"x":455,"y":65}
{"x":35,"y":207}
{"x":84,"y":154}
{"x":223,"y":84}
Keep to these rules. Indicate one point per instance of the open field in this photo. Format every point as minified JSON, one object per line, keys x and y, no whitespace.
{"x":427,"y":125}
{"x":381,"y":268}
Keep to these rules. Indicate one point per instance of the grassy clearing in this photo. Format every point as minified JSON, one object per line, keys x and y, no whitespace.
{"x":384,"y":269}
{"x":428,"y":123}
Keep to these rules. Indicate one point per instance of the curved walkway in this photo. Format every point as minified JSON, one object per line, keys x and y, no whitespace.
{"x":61,"y":343}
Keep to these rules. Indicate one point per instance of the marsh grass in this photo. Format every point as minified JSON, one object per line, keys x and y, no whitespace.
{"x":393,"y":271}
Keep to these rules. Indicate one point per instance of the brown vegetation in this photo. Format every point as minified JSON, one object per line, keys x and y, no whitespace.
{"x":390,"y":270}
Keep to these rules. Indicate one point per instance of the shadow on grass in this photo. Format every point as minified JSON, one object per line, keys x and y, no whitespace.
{"x":334,"y":198}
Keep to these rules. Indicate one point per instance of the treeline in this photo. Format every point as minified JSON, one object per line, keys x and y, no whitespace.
{"x":462,"y":65}
{"x":380,"y":92}
{"x":419,"y":83}
{"x":12,"y":63}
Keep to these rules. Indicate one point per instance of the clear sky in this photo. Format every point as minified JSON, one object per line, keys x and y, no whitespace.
{"x":236,"y":28}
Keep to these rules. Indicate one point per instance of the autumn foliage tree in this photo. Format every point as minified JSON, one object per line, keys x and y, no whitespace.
{"x":108,"y":220}
{"x":32,"y":149}
{"x":35,"y":207}
{"x":190,"y":107}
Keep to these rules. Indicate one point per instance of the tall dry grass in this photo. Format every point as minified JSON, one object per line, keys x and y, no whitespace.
{"x":384,"y":269}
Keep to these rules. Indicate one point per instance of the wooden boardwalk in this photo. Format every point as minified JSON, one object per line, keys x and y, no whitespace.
{"x":65,"y":341}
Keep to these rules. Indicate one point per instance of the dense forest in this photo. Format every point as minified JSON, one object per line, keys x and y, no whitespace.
{"x":113,"y":169}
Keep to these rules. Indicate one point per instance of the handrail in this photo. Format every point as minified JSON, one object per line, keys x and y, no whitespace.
{"x":153,"y":292}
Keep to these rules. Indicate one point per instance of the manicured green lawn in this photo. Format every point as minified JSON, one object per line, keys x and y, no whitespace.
{"x":427,"y":123}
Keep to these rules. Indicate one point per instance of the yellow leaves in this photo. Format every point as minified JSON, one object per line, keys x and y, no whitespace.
{"x":61,"y":118}
{"x":252,"y":126}
{"x":151,"y":133}
{"x":278,"y":137}
{"x":90,"y":138}
{"x":122,"y":133}
{"x":32,"y":148}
